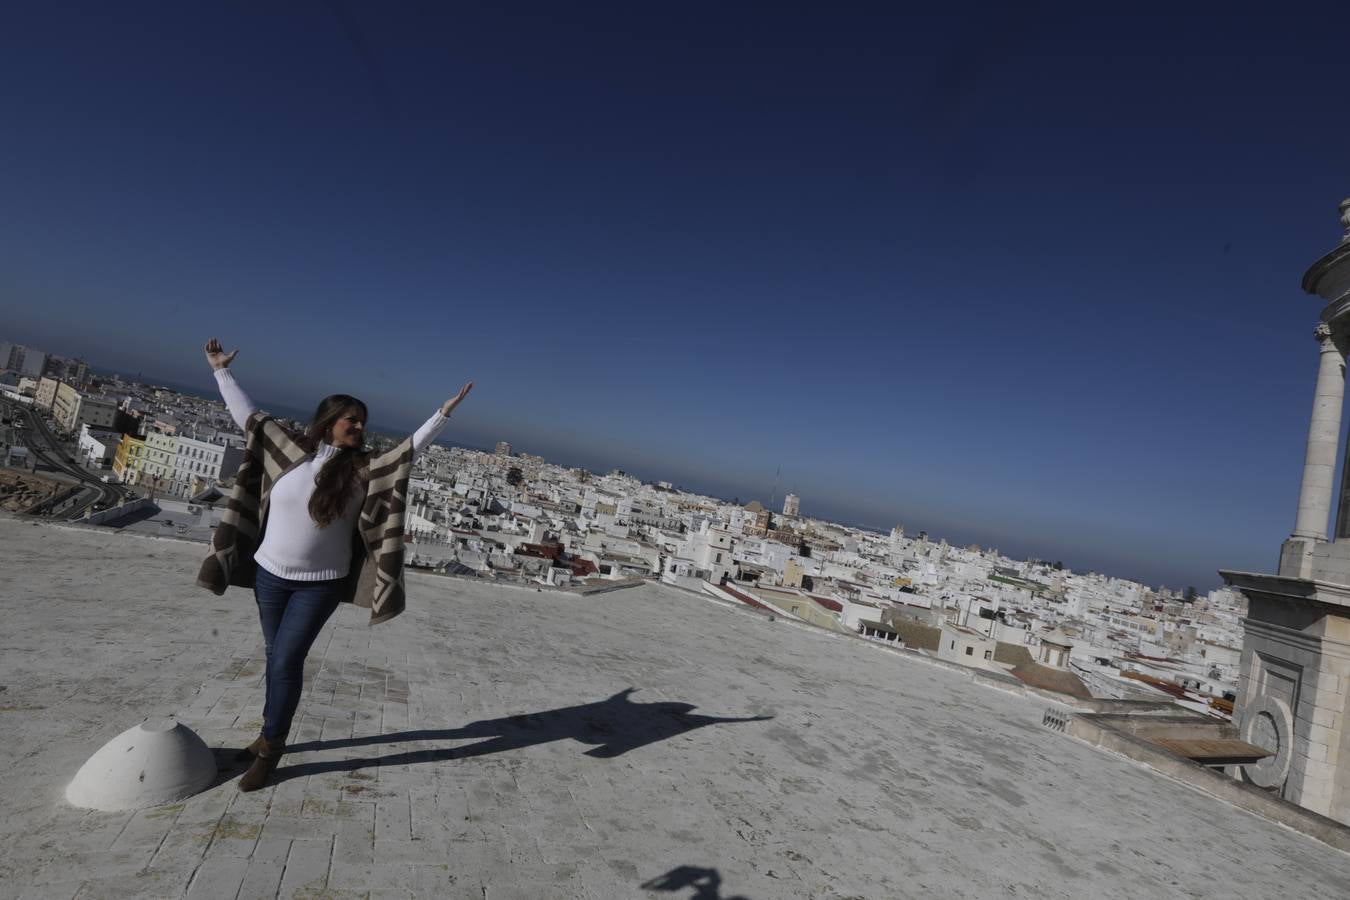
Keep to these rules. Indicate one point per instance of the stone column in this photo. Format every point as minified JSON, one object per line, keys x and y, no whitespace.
{"x":1342,"y":529}
{"x":1319,"y":466}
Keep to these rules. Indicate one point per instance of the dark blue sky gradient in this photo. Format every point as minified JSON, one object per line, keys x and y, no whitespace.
{"x":1028,"y":278}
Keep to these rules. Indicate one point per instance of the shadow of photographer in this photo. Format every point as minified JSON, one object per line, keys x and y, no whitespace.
{"x":614,"y":726}
{"x":706,"y":884}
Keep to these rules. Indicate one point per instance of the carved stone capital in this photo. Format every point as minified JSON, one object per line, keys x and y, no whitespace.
{"x":1345,"y":219}
{"x":1331,"y":339}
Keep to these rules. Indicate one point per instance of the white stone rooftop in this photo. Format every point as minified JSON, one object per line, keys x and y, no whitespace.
{"x":501,"y":742}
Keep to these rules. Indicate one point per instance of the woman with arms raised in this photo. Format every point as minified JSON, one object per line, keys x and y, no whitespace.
{"x":313,"y":520}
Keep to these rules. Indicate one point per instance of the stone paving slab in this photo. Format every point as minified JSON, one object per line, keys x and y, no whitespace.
{"x":500,"y":742}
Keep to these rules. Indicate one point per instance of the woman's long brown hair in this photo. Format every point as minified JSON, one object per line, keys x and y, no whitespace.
{"x":334,"y":484}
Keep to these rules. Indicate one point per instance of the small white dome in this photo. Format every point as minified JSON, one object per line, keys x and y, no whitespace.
{"x":155,"y":762}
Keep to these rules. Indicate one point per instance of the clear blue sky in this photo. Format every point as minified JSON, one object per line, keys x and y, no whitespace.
{"x":1023,"y":277}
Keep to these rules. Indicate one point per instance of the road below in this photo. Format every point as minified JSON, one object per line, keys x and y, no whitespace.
{"x":89,"y":490}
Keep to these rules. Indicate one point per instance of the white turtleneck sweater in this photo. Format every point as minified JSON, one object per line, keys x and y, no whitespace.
{"x":294,"y":545}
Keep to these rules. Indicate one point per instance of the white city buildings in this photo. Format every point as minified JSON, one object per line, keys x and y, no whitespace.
{"x":815,"y":571}
{"x":195,"y":462}
{"x":22,"y":360}
{"x":97,"y":446}
{"x":71,"y":409}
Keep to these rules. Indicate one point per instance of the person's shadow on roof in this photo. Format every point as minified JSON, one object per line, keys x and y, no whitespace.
{"x":705,"y":883}
{"x":615,"y":726}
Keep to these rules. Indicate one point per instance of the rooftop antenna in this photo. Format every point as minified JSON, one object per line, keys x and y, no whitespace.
{"x":773,"y":500}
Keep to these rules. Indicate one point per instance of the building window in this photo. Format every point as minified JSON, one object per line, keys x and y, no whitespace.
{"x":953,"y":646}
{"x":970,"y":651}
{"x":989,"y":654}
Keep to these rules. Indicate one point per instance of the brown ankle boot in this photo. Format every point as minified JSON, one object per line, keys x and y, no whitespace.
{"x":251,"y":751}
{"x":269,"y":754}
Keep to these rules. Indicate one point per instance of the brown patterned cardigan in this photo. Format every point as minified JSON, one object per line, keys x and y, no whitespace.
{"x":375,"y":579}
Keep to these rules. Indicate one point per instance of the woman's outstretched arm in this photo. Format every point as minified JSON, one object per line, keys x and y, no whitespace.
{"x":238,"y":403}
{"x":423,"y":437}
{"x":449,"y":406}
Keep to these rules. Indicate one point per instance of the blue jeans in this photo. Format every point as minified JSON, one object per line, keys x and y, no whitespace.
{"x":292,"y":614}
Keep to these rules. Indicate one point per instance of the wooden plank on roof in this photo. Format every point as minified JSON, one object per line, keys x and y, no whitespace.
{"x":1214,"y":751}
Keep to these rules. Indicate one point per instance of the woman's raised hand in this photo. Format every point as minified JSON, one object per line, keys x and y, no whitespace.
{"x":449,"y":406}
{"x":218,"y":358}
